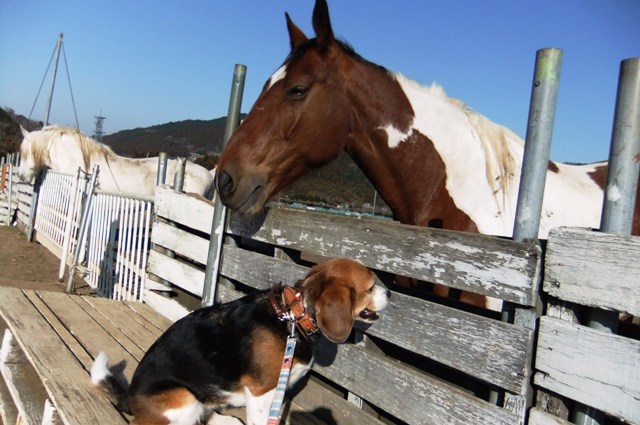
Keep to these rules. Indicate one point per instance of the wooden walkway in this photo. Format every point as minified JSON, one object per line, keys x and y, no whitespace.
{"x":50,"y":341}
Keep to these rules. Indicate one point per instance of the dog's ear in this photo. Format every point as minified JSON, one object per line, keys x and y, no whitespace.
{"x":334,"y":312}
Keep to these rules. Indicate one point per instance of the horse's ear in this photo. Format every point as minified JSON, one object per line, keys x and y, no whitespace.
{"x":25,"y":133}
{"x":296,"y":36}
{"x":322,"y":25}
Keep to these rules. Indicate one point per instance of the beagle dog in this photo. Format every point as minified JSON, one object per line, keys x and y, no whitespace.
{"x":230,"y":354}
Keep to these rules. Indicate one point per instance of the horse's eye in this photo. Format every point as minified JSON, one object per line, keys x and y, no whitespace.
{"x":297,"y":92}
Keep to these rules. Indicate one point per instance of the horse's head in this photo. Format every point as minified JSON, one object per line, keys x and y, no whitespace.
{"x":300,"y":121}
{"x":28,"y":168}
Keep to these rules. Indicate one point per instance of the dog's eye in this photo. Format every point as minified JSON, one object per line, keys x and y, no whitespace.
{"x":372,"y":288}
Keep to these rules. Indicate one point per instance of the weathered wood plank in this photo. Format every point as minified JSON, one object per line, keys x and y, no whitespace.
{"x":25,"y":391}
{"x":91,"y":335}
{"x":66,"y":381}
{"x":487,"y":349}
{"x":188,"y":210}
{"x":70,"y":341}
{"x":178,"y":273}
{"x":171,"y":309}
{"x":538,"y":417}
{"x":152,"y":316}
{"x":263,"y":272}
{"x":409,"y":395}
{"x":148,"y":320}
{"x":594,"y":269}
{"x":126,"y":337}
{"x":595,"y":368}
{"x":8,"y":410}
{"x":182,"y":243}
{"x":486,"y":265}
{"x":314,"y":398}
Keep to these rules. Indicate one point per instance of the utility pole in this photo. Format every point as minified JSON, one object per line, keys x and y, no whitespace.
{"x":53,"y":79}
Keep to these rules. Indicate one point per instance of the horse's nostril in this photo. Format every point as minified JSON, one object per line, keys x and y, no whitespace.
{"x":225,"y":183}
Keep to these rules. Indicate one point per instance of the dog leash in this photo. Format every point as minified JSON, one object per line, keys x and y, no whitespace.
{"x":294,"y":313}
{"x":275,"y":412}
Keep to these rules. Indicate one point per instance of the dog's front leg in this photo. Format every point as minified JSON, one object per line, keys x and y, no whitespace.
{"x":258,"y":407}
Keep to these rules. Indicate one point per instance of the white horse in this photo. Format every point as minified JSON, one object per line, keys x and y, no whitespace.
{"x":65,"y":149}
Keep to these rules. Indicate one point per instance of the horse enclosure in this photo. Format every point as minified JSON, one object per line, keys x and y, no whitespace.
{"x":428,"y":360}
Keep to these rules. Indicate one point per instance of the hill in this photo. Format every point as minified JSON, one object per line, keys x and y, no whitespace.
{"x":10,"y":134}
{"x":181,"y":138}
{"x":339,"y":184}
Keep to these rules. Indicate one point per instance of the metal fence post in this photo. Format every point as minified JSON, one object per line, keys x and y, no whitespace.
{"x":220,"y":211}
{"x":34,"y":206}
{"x":161,"y":177}
{"x":542,"y":111}
{"x":178,"y":178}
{"x":620,"y":194}
{"x":533,"y":175}
{"x":10,"y":190}
{"x":69,"y":224}
{"x":624,"y":163}
{"x":83,"y":227}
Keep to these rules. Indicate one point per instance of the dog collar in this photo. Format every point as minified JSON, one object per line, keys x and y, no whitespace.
{"x":292,"y":308}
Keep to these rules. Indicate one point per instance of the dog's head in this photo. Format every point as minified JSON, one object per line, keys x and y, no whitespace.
{"x":340,"y":291}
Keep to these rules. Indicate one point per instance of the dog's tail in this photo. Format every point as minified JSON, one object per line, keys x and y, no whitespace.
{"x":112,"y":382}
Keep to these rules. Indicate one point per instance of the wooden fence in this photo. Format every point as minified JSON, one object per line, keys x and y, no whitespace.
{"x":396,"y":368}
{"x":592,"y":367}
{"x":428,"y":360}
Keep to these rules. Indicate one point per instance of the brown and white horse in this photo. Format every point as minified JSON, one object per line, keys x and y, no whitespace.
{"x":435,"y":162}
{"x":65,"y":149}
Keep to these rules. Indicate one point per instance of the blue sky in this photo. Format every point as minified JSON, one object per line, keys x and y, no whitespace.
{"x":141,"y":63}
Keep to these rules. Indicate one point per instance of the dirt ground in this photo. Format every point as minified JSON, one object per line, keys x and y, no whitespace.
{"x":27,"y":265}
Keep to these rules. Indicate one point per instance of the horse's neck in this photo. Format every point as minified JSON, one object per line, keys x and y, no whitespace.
{"x":399,"y":158}
{"x":65,"y":155}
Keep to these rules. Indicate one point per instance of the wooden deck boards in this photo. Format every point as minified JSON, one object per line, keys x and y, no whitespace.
{"x":51,"y":341}
{"x":55,"y":339}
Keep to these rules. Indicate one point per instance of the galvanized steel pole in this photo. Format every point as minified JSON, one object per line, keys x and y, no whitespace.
{"x":620,"y":194}
{"x":220,"y":211}
{"x":178,"y":178}
{"x":84,"y":219}
{"x":542,"y":109}
{"x":538,"y":142}
{"x":624,"y":156}
{"x":161,"y":177}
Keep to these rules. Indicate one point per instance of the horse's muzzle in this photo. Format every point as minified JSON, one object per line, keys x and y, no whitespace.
{"x":245,"y":195}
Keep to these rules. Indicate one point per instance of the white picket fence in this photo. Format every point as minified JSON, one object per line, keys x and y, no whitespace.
{"x":58,"y":206}
{"x":115,"y":247}
{"x":118,"y":245}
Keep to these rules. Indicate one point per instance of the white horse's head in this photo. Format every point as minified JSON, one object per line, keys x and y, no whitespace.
{"x":28,"y":168}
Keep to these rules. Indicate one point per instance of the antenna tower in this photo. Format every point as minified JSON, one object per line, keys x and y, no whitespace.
{"x":97,"y":134}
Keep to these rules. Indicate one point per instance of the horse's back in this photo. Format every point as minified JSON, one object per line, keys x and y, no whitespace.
{"x":198,"y":180}
{"x":573,"y":196}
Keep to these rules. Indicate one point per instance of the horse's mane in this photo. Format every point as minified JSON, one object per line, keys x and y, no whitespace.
{"x":494,"y":139}
{"x":41,"y":142}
